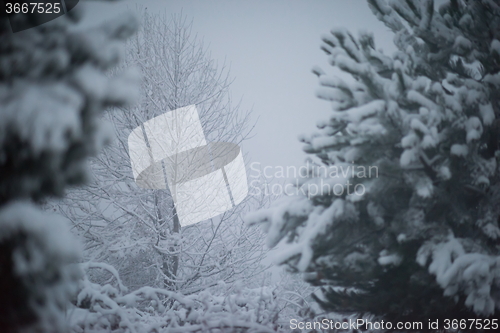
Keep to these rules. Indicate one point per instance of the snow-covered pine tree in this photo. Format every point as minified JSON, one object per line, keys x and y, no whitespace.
{"x":53,"y":88}
{"x":418,"y":238}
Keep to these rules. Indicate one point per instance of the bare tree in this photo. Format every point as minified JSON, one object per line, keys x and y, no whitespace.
{"x":138,"y":230}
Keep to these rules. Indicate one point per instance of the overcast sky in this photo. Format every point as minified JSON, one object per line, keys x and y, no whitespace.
{"x":271,"y":46}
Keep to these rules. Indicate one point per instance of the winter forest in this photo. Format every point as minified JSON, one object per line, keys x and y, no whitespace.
{"x":390,"y":224}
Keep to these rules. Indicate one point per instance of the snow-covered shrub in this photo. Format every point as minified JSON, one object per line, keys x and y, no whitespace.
{"x":53,"y":88}
{"x":112,"y":308}
{"x":398,"y":214}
